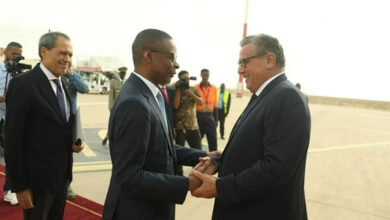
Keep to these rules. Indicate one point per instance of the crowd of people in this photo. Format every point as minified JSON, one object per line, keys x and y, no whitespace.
{"x":260,"y":172}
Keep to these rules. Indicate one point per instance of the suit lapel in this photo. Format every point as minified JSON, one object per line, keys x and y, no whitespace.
{"x":47,"y":91}
{"x":250,"y":107}
{"x":153,"y":104}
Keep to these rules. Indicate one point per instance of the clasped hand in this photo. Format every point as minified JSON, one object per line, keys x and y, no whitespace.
{"x":202,"y":183}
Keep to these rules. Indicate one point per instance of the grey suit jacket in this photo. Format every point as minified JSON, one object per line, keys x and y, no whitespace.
{"x":143,"y":184}
{"x":262,"y":169}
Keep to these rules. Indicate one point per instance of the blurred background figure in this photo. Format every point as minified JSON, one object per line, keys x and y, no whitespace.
{"x":206,"y":112}
{"x":115,"y":87}
{"x":75,"y":84}
{"x":298,"y":85}
{"x":12,"y":50}
{"x":184,"y":103}
{"x":224,"y":100}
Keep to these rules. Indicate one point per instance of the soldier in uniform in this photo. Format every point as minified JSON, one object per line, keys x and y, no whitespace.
{"x":115,"y":87}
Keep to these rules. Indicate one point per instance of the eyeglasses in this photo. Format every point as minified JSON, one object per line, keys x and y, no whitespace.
{"x":243,"y":62}
{"x":171,"y":56}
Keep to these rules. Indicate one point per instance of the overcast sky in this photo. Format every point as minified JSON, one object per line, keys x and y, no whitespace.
{"x":334,"y":48}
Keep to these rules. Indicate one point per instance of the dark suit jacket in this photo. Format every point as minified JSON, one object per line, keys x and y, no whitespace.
{"x":143,"y":183}
{"x":38,"y":141}
{"x":262,"y":169}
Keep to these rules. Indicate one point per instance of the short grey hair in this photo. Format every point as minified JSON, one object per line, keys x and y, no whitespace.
{"x":265,"y":44}
{"x":49,"y":40}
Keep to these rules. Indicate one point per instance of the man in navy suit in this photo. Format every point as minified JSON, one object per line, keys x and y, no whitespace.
{"x":262,"y":169}
{"x":38,"y":132}
{"x":144,"y":182}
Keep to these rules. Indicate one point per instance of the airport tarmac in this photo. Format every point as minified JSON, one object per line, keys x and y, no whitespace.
{"x":347,"y":170}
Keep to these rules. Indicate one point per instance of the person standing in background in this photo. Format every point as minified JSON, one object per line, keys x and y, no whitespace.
{"x":207,"y":113}
{"x":186,"y":98}
{"x":224,"y":100}
{"x":12,"y":50}
{"x":115,"y":87}
{"x":75,"y":84}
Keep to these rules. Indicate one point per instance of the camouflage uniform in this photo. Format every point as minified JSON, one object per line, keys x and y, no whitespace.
{"x":186,"y":122}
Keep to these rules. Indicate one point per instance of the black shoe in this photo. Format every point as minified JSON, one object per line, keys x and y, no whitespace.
{"x":104,"y":141}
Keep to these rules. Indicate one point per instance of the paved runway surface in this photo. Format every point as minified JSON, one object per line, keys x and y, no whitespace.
{"x":347,"y":172}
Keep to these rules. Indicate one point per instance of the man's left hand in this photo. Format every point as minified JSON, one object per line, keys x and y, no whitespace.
{"x":78,"y":148}
{"x":208,"y":189}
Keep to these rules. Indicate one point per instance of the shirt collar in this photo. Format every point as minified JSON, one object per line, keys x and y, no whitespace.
{"x":47,"y":72}
{"x":153,"y":88}
{"x":266,"y":83}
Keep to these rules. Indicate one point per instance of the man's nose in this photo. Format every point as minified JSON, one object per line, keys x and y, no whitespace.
{"x":241,"y":70}
{"x":176,"y":65}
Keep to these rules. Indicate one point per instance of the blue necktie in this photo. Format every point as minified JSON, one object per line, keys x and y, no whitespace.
{"x":60,"y":98}
{"x":161,"y":104}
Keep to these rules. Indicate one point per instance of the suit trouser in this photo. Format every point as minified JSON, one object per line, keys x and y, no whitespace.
{"x":48,"y":204}
{"x":207,"y":126}
{"x":221,"y":117}
{"x":191,"y":136}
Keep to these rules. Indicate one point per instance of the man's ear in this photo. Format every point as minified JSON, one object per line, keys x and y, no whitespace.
{"x":43,"y":51}
{"x":147,"y":55}
{"x":270,"y":60}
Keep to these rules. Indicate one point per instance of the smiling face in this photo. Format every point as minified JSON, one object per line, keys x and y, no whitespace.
{"x":257,"y":69}
{"x":58,"y":59}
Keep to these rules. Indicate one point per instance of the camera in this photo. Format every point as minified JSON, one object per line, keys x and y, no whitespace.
{"x":15,"y":68}
{"x":185,"y":83}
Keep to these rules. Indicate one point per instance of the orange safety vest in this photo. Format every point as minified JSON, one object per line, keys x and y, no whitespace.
{"x":209,"y":98}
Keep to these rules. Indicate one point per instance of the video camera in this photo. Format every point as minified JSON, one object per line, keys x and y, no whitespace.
{"x":15,"y":68}
{"x":185,"y":83}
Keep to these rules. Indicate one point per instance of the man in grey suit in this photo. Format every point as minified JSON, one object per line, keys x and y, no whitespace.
{"x":144,"y":184}
{"x":262,"y":169}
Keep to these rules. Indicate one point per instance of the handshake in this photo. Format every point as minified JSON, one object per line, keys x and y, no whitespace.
{"x":202,"y":182}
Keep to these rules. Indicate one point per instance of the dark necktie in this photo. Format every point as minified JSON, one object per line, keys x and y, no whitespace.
{"x":60,"y":98}
{"x":164,"y":93}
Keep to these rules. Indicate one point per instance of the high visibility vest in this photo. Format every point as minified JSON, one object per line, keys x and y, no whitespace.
{"x":225,"y":99}
{"x":209,"y":98}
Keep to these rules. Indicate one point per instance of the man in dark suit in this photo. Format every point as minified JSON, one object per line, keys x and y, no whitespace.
{"x":144,"y":184}
{"x":262,"y":169}
{"x":38,"y":132}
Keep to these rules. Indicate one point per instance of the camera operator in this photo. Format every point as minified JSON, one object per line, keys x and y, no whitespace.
{"x":184,"y":103}
{"x":13,"y":50}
